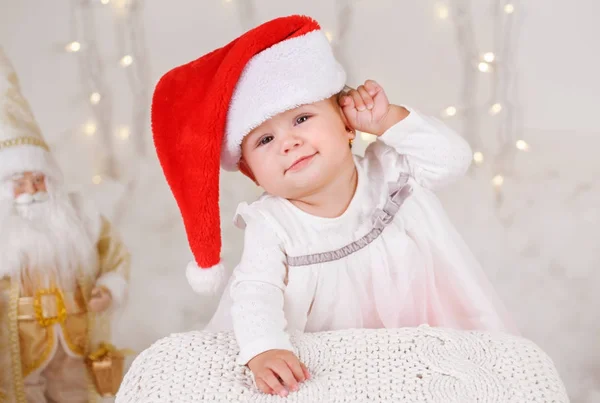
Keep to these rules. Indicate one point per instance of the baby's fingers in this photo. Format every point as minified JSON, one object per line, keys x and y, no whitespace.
{"x":367,"y":99}
{"x":348,"y":107}
{"x":273,"y":382}
{"x":346,"y":101}
{"x":263,"y":387}
{"x":372,"y":87}
{"x":296,"y":368}
{"x":358,"y":100}
{"x":305,"y":371}
{"x":282,"y":370}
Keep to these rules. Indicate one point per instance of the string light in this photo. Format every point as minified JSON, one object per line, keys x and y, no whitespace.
{"x":329,"y":36}
{"x":120,"y":4}
{"x":522,"y":145}
{"x":442,"y":11}
{"x":502,"y":88}
{"x":124,"y":132}
{"x":498,"y":180}
{"x":95,"y":97}
{"x":131,"y":51}
{"x":495,"y":109}
{"x":450,"y":111}
{"x":93,"y":79}
{"x":130,"y":39}
{"x":73,"y":47}
{"x":489,"y":57}
{"x":126,"y":60}
{"x":484,"y":67}
{"x":89,"y":128}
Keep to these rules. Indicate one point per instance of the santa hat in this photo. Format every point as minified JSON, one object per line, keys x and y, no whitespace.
{"x":22,"y":147}
{"x":202,"y":110}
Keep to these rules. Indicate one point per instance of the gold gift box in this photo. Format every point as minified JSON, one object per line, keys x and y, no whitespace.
{"x":106,"y":366}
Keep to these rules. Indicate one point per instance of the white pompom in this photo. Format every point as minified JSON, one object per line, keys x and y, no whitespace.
{"x":205,"y":281}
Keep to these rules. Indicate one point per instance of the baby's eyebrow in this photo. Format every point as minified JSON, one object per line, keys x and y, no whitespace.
{"x":302,"y":108}
{"x":253,"y":135}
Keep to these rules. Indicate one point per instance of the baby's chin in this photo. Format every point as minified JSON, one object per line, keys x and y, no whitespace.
{"x":305,"y":185}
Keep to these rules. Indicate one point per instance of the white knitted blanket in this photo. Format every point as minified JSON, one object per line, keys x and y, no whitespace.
{"x":410,"y":365}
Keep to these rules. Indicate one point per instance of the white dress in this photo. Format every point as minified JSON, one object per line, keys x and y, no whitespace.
{"x":392,"y":259}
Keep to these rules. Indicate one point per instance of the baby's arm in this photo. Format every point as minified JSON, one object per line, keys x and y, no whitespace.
{"x":422,"y":146}
{"x":257,"y":293}
{"x":425,"y":148}
{"x":258,"y":316}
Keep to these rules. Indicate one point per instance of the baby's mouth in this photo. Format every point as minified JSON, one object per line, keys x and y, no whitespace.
{"x":300,"y":163}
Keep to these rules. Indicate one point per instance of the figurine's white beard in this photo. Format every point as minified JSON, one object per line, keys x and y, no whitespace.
{"x":43,"y":241}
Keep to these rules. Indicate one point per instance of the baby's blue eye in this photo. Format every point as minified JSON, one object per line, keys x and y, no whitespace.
{"x":301,"y":119}
{"x":265,"y":140}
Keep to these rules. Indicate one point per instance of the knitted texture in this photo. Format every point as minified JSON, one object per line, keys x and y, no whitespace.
{"x":421,"y":364}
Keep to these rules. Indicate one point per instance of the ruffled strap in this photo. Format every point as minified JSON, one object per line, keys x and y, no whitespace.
{"x":399,"y":191}
{"x":382,"y":217}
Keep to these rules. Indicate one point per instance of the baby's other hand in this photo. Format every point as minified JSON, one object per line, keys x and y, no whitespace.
{"x":367,"y":109}
{"x":275,"y":368}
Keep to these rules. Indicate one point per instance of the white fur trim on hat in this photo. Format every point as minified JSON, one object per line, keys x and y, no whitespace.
{"x":205,"y":281}
{"x":298,"y":71}
{"x":28,"y":158}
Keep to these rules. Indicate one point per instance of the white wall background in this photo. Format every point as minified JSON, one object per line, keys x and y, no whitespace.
{"x":538,"y":246}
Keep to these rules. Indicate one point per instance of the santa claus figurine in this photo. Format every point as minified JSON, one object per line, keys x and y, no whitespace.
{"x":63,"y":270}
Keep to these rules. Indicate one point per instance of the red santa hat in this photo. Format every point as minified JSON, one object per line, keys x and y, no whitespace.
{"x":202,"y":110}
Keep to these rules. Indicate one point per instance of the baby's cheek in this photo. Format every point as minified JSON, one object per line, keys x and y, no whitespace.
{"x":268,"y":182}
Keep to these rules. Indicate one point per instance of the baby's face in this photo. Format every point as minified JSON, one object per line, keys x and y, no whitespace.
{"x":298,"y":151}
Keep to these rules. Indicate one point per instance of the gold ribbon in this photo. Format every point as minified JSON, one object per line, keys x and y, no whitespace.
{"x":22,"y":141}
{"x":106,"y":350}
{"x":48,"y":306}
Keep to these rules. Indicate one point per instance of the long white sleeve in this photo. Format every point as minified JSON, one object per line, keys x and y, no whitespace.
{"x":425,"y":148}
{"x":257,"y":293}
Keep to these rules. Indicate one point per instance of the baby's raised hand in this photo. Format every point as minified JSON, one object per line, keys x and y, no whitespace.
{"x":368,"y":109}
{"x":275,"y":368}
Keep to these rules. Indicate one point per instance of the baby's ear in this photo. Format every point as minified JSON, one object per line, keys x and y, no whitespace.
{"x":344,"y":119}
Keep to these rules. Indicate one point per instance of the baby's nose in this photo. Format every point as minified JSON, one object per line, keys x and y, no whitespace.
{"x":290,"y":143}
